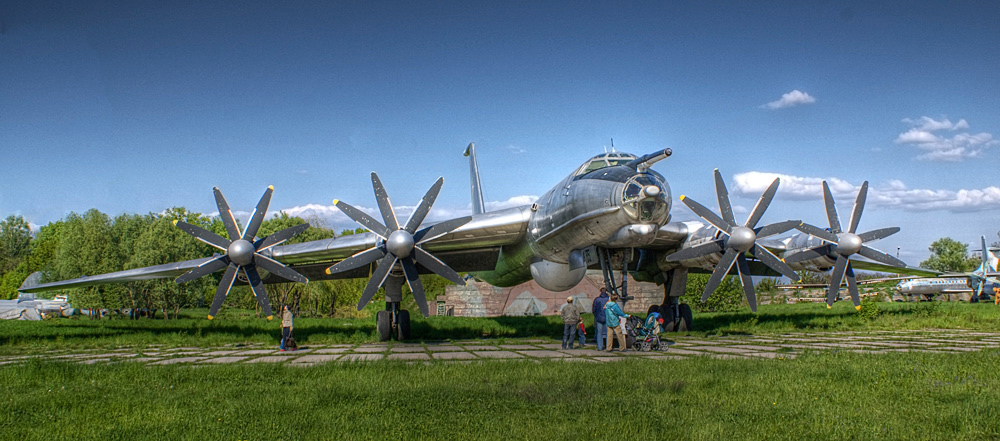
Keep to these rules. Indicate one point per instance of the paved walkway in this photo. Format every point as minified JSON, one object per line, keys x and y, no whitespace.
{"x":678,"y":347}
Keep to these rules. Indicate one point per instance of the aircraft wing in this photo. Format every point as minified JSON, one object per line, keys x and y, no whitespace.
{"x":148,"y":273}
{"x":868,"y":265}
{"x":474,"y":246}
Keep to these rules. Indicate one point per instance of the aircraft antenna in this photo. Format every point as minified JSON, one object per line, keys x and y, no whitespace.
{"x":613,"y":149}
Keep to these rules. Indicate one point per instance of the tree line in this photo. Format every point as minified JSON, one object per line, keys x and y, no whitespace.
{"x":94,"y":243}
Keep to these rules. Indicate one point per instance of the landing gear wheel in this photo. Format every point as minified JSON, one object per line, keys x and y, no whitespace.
{"x":383,"y":323}
{"x":403,"y":327}
{"x":684,"y":325}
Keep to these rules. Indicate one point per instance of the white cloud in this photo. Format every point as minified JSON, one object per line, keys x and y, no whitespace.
{"x":958,"y":147}
{"x":790,"y":99}
{"x":331,"y":217}
{"x":892,"y":194}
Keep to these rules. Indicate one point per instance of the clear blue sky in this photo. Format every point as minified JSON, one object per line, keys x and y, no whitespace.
{"x":137,"y":106}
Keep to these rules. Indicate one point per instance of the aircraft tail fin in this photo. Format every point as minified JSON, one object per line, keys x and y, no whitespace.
{"x":990,"y":262}
{"x":478,"y":207}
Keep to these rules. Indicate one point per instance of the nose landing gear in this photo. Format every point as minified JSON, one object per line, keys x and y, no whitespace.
{"x":393,"y":321}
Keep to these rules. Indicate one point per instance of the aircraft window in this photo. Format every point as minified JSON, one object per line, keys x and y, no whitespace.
{"x":603,"y":161}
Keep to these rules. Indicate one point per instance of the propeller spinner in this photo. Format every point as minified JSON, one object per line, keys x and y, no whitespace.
{"x":399,"y":244}
{"x":841,"y":245}
{"x":739,"y":240}
{"x":242,"y":253}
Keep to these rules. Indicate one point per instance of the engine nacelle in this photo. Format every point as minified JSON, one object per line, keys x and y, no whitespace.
{"x":556,"y":277}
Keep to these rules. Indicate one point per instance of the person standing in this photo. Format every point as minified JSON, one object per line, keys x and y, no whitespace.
{"x":286,"y":326}
{"x":614,"y":317}
{"x":571,"y":320}
{"x":600,"y":328}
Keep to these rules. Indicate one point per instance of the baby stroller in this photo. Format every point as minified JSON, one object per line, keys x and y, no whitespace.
{"x":643,"y":335}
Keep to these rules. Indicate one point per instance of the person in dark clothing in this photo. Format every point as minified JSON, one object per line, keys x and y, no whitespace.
{"x":600,"y":328}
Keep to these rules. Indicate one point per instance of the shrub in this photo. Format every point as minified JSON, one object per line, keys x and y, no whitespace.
{"x":869,"y":309}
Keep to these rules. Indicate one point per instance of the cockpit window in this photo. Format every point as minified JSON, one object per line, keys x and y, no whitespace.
{"x":604,"y":160}
{"x":640,"y":205}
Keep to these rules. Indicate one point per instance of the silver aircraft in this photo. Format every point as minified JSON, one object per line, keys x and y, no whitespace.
{"x":973,"y":283}
{"x":613,"y":213}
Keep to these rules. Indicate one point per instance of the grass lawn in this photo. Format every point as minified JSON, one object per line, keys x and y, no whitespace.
{"x":827,"y":395}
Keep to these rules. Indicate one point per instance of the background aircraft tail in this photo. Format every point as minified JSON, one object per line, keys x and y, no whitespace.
{"x":477,"y":191}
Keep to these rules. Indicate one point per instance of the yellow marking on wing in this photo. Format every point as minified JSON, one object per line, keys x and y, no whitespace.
{"x":682,"y":197}
{"x":327,"y":271}
{"x":336,"y":201}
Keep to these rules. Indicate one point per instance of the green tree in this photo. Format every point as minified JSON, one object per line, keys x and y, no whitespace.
{"x":15,"y":242}
{"x":949,"y":255}
{"x":727,"y":297}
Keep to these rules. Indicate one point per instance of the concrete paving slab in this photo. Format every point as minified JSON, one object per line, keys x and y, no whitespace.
{"x":453,"y":355}
{"x":224,"y":360}
{"x":591,"y":353}
{"x":525,"y":347}
{"x":315,"y":358}
{"x":179,"y":360}
{"x":443,"y":348}
{"x":370,"y":349}
{"x":256,"y":352}
{"x":271,"y":359}
{"x":548,"y":346}
{"x":759,"y":348}
{"x":679,"y":351}
{"x":219,"y":353}
{"x":607,"y":359}
{"x":497,"y":354}
{"x":95,"y":360}
{"x":331,"y":350}
{"x":361,"y":357}
{"x":721,"y":349}
{"x":408,"y":356}
{"x":297,"y":351}
{"x":544,"y":354}
{"x":481,"y":348}
{"x":407,"y":349}
{"x":774,"y":355}
{"x":958,"y":348}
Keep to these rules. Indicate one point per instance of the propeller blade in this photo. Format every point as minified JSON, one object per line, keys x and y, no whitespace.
{"x":762,"y":204}
{"x":746,"y":281}
{"x":376,"y":280}
{"x":424,"y":207}
{"x":384,"y":205}
{"x":778,"y":228}
{"x":723,"y":267}
{"x":836,"y":278}
{"x":723,"y":194}
{"x":222,"y":290}
{"x":818,"y":232}
{"x":979,"y":289}
{"x":226,"y":214}
{"x":881,"y":233}
{"x":358,"y":260}
{"x":810,"y":254}
{"x":707,"y":215}
{"x":879,"y":256}
{"x":697,"y":251}
{"x":274,"y":267}
{"x":437,"y":230}
{"x":258,"y":290}
{"x":363,"y":219}
{"x":436,"y":266}
{"x":772,"y":261}
{"x":204,"y":235}
{"x":831,"y":210}
{"x":210,"y":266}
{"x":257,"y":217}
{"x":852,"y":286}
{"x":280,"y":236}
{"x":416,"y":288}
{"x":859,"y":206}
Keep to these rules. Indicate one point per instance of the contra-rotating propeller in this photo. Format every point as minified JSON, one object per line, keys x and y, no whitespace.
{"x":399,"y":244}
{"x":842,"y":245}
{"x":242,"y":252}
{"x":981,"y":279}
{"x":738,"y":240}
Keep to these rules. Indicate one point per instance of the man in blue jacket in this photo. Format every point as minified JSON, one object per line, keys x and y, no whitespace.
{"x":600,"y":328}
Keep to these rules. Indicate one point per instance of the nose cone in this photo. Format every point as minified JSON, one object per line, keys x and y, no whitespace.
{"x":848,"y":243}
{"x":742,"y":239}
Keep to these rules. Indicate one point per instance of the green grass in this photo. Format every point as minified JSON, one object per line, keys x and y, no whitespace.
{"x":826,"y":395}
{"x":18,"y":337}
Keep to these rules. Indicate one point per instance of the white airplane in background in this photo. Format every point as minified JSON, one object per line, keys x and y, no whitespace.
{"x":974,"y":282}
